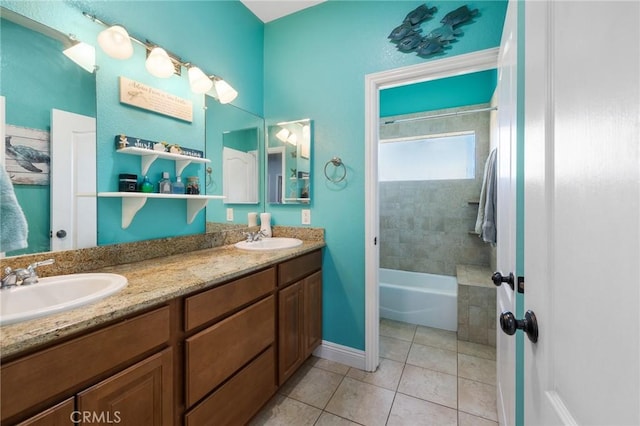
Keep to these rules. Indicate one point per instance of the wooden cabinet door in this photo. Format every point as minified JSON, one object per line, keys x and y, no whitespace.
{"x":59,"y":415}
{"x":312,"y":317}
{"x":141,"y":395}
{"x":290,"y":345}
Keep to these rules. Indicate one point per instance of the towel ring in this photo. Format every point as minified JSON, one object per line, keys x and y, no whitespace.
{"x":337,"y":162}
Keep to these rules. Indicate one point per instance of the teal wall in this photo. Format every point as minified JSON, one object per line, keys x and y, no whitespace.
{"x":452,"y":92}
{"x":37,"y":77}
{"x":315,"y":64}
{"x":222,"y":38}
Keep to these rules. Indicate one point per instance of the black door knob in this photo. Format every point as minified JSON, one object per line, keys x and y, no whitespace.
{"x":498,"y":279}
{"x":61,"y":233}
{"x":529,"y":324}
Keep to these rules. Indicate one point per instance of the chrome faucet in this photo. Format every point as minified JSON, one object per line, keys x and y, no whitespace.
{"x":22,"y":276}
{"x":253,"y":236}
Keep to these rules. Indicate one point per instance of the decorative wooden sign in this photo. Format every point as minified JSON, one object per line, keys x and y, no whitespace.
{"x":146,"y":97}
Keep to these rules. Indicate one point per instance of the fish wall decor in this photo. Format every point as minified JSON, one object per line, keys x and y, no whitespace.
{"x":408,"y":35}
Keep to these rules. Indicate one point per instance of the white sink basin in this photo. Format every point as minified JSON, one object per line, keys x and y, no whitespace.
{"x":56,"y":294}
{"x":276,"y":243}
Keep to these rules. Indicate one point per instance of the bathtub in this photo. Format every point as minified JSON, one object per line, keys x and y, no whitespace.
{"x":419,"y":298}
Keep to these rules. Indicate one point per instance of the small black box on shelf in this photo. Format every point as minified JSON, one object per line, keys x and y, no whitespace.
{"x":128,"y":183}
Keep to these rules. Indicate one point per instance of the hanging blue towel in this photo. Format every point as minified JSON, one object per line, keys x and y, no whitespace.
{"x":486,"y":219}
{"x":13,"y":225}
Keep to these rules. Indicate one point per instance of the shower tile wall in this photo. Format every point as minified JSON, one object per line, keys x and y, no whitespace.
{"x":424,"y":225}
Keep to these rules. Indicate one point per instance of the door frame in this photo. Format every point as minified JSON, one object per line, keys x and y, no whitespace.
{"x":457,"y":65}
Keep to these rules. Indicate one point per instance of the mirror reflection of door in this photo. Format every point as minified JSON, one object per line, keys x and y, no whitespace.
{"x":240,"y":166}
{"x":73,"y":181}
{"x":275,"y":181}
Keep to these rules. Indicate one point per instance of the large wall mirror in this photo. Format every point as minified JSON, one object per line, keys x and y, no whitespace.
{"x":288,"y":178}
{"x":235,"y":145}
{"x":37,"y":78}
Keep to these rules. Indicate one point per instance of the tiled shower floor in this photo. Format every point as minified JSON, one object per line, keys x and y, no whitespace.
{"x":426,"y":377}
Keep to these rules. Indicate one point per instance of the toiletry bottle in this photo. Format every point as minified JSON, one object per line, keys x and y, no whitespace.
{"x":177,"y":187}
{"x":193,"y":185}
{"x":164,"y":186}
{"x":146,"y":186}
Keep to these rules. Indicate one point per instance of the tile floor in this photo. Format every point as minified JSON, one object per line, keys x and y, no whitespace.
{"x":426,"y":377}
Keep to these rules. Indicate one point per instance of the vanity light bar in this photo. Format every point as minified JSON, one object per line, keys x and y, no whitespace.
{"x":158,"y":60}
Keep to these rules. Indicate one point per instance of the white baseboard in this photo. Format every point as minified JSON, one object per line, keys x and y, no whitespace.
{"x":342,"y":354}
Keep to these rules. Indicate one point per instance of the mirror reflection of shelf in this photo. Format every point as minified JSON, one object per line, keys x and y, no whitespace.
{"x":132,"y":202}
{"x":148,"y":157}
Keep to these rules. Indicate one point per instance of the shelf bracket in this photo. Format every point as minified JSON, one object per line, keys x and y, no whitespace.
{"x":180,"y":165}
{"x":130,"y":207}
{"x":193,"y":207}
{"x":146,"y":161}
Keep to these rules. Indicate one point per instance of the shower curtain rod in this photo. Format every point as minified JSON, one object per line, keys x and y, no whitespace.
{"x":447,"y":114}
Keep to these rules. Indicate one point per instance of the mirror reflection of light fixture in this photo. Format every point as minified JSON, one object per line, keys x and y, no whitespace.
{"x":82,"y":54}
{"x":283,"y":134}
{"x":159,"y":63}
{"x":199,"y":81}
{"x":115,"y":42}
{"x":292,"y":139}
{"x":222,"y":90}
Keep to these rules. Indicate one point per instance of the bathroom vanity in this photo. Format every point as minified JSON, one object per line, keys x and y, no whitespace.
{"x":210,"y":348}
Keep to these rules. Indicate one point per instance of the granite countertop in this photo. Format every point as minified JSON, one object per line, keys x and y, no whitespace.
{"x":151,"y":282}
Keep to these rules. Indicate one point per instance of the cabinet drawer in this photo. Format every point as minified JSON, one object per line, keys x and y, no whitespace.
{"x":214,"y":303}
{"x":50,"y":373}
{"x":217,"y":352}
{"x":299,"y":267}
{"x":241,"y":397}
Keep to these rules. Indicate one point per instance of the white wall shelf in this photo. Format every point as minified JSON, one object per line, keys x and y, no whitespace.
{"x":148,"y":157}
{"x":132,"y":202}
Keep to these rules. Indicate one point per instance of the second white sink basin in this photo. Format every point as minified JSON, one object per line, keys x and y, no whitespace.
{"x":276,"y":243}
{"x":56,"y":294}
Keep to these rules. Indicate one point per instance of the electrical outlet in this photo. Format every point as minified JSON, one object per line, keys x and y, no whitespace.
{"x":306,"y":217}
{"x":229,"y":214}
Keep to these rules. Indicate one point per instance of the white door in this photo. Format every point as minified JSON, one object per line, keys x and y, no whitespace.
{"x":506,"y":210}
{"x":582,"y":226}
{"x":73,"y":181}
{"x":239,"y":176}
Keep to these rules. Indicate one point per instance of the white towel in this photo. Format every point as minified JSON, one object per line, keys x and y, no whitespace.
{"x":486,"y":219}
{"x":13,"y":225}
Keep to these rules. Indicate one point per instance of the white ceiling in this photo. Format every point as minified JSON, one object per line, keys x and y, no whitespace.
{"x":269,"y":10}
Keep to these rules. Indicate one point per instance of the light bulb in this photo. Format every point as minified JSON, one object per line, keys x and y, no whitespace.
{"x":283,"y":134}
{"x":198,"y":81}
{"x":159,"y":64}
{"x":82,"y":54}
{"x":225,"y":92}
{"x":115,"y":42}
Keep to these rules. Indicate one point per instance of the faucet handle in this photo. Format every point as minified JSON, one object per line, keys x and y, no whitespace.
{"x":31,"y":275}
{"x":34,"y":265}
